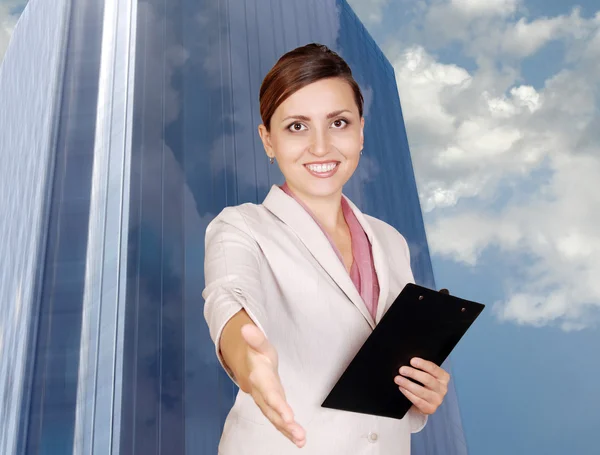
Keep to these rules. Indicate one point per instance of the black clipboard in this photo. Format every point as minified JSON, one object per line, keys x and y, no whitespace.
{"x":420,"y":323}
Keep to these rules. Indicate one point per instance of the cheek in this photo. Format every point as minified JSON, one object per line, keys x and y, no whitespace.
{"x":350,"y":150}
{"x":288,"y":153}
{"x":288,"y":149}
{"x":349,"y":146}
{"x":283,"y":143}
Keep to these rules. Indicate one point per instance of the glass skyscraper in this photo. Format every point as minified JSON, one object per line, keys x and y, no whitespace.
{"x":125,"y":127}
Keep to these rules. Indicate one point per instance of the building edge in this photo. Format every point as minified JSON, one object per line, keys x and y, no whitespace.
{"x":98,"y":412}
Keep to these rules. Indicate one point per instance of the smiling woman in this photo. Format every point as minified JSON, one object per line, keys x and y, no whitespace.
{"x":312,"y":112}
{"x":295,"y":285}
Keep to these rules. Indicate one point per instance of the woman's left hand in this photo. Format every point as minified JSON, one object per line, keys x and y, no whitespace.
{"x":429,"y":397}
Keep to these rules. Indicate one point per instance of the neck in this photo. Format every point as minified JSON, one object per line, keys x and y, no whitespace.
{"x":327,"y":210}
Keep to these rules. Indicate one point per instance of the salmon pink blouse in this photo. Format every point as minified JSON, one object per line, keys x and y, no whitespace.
{"x":362,"y":272}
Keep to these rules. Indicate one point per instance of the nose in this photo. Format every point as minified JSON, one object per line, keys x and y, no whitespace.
{"x":320,"y":143}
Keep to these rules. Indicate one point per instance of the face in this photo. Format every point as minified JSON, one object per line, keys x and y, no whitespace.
{"x":316,"y":137}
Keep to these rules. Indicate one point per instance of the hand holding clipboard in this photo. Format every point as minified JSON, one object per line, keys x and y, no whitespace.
{"x":421,"y":323}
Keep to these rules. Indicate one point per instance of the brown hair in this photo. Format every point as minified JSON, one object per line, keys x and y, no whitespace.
{"x":299,"y":68}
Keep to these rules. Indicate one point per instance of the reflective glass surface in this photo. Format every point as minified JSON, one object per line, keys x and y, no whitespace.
{"x":50,"y":429}
{"x":29,"y":75}
{"x":59,"y":218}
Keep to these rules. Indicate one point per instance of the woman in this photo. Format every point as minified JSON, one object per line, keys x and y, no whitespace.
{"x":294,"y":286}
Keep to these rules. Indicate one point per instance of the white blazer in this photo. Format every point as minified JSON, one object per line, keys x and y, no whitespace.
{"x":274,"y":261}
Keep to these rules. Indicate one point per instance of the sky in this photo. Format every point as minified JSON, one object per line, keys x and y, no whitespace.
{"x":501,"y":104}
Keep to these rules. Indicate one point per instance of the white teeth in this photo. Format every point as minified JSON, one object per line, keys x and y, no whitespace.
{"x":322,"y":168}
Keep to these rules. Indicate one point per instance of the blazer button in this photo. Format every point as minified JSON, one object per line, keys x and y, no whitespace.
{"x":373,"y":437}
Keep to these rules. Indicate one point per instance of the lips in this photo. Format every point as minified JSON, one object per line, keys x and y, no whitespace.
{"x":322,"y":170}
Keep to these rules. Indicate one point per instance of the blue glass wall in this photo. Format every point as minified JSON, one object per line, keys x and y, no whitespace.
{"x":28,"y":98}
{"x":195,"y":150}
{"x":50,"y":334}
{"x":56,"y":343}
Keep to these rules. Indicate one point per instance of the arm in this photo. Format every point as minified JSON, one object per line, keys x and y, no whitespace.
{"x":234,"y":349}
{"x":237,"y":317}
{"x":233,"y":294}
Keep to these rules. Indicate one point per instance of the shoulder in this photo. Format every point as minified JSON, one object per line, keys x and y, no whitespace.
{"x":244,"y":217}
{"x":396,"y":247}
{"x":386,"y":233}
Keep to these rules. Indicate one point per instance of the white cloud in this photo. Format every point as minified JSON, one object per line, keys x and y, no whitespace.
{"x":556,"y":227}
{"x":494,"y":28}
{"x":524,"y":38}
{"x":475,"y":8}
{"x":370,"y":11}
{"x":480,"y":137}
{"x":463,"y":123}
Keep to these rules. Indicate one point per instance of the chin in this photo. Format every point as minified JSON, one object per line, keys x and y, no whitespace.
{"x":324,"y":188}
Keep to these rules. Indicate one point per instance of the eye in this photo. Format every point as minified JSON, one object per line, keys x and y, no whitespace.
{"x":296,"y":127}
{"x":340,"y":123}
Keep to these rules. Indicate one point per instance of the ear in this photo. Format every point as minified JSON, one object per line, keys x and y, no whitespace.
{"x":265,"y":137}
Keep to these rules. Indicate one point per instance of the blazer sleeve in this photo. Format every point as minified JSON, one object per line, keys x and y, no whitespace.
{"x":418,"y":420}
{"x":232,"y":276}
{"x":407,"y":257}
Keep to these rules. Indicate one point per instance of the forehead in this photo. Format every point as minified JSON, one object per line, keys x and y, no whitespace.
{"x":324,"y":96}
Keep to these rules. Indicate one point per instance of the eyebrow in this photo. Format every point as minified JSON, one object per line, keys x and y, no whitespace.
{"x":307,"y":119}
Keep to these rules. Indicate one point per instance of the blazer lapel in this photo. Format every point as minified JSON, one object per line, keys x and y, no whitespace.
{"x":294,"y":216}
{"x":380,"y":261}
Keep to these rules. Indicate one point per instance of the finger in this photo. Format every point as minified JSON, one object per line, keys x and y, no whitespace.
{"x":276,"y":400}
{"x":286,"y":429}
{"x":417,"y":390}
{"x":424,"y":378}
{"x":277,"y":421}
{"x":422,"y":405}
{"x":267,"y":385}
{"x":256,"y":339}
{"x":431,"y":368}
{"x":298,"y":433}
{"x":291,"y":430}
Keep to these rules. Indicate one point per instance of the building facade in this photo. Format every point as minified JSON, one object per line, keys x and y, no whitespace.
{"x":127,"y":126}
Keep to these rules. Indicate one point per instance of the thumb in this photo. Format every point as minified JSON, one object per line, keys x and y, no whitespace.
{"x":256,"y":339}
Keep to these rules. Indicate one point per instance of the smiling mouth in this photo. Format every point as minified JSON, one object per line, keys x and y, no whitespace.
{"x":322,"y":168}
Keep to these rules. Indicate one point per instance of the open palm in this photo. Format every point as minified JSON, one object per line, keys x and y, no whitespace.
{"x":265,"y":385}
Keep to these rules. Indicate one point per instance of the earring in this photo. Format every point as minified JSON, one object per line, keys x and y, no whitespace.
{"x":271,"y":160}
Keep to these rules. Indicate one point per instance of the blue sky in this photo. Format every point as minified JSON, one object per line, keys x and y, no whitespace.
{"x":500,"y":98}
{"x":501,"y":102}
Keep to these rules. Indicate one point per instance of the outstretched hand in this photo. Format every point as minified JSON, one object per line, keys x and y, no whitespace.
{"x":265,"y":385}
